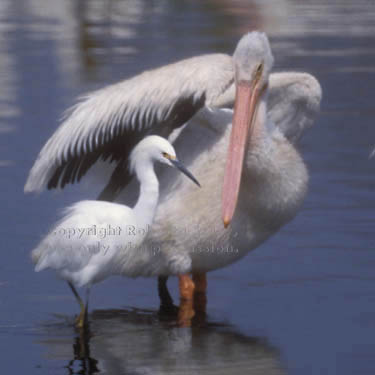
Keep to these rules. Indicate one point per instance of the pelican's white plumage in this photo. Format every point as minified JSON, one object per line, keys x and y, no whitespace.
{"x":106,"y":124}
{"x":293,"y":102}
{"x":273,"y":187}
{"x":187,"y":225}
{"x":165,"y":97}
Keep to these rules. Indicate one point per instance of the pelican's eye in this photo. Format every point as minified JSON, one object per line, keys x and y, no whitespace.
{"x":259,"y":71}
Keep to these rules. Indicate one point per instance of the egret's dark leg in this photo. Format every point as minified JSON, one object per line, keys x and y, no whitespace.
{"x":166,"y":301}
{"x":80,"y":320}
{"x":79,"y":299}
{"x":85,"y":318}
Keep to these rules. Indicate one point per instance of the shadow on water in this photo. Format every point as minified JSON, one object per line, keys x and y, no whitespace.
{"x":134,"y":341}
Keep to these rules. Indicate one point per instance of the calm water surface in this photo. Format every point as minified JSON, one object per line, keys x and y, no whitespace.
{"x":303,"y":303}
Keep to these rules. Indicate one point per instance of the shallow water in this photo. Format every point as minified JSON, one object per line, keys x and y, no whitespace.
{"x":303,"y":303}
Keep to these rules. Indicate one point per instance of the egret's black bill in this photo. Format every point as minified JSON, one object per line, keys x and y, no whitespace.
{"x":183,"y":169}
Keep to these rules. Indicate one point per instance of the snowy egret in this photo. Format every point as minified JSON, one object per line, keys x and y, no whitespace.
{"x":96,"y":239}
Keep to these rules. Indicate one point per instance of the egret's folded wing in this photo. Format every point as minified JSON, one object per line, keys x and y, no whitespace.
{"x":109,"y":122}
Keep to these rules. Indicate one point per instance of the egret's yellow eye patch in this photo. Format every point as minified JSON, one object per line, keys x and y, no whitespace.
{"x":168,"y":156}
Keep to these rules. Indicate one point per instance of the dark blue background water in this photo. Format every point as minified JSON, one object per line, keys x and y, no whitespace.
{"x":303,"y":302}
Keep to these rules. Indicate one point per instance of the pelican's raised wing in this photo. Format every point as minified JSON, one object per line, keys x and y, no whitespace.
{"x":293,"y":102}
{"x":107,"y":123}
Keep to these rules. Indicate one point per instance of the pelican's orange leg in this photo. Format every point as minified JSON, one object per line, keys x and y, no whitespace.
{"x":200,"y":298}
{"x":186,"y":286}
{"x":186,"y":311}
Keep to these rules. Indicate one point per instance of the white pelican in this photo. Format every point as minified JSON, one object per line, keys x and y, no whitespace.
{"x":107,"y":124}
{"x":187,"y":226}
{"x":95,"y":239}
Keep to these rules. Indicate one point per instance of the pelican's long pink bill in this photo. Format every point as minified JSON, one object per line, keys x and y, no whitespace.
{"x":242,"y":125}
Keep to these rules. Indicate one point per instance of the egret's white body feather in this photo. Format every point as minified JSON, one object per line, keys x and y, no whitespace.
{"x":79,"y":247}
{"x":97,"y":239}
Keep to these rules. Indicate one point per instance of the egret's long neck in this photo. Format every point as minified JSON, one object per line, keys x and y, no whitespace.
{"x":149,"y":192}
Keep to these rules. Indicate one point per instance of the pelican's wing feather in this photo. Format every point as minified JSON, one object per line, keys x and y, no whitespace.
{"x":293,"y":102}
{"x":107,"y":123}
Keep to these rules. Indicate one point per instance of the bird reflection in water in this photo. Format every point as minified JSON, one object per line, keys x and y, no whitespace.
{"x":190,"y":311}
{"x":82,"y":359}
{"x":134,"y":341}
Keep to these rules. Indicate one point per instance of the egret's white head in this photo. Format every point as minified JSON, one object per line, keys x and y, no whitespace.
{"x":154,"y":148}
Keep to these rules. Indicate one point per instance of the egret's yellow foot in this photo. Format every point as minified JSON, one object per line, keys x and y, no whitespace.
{"x":81,"y":318}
